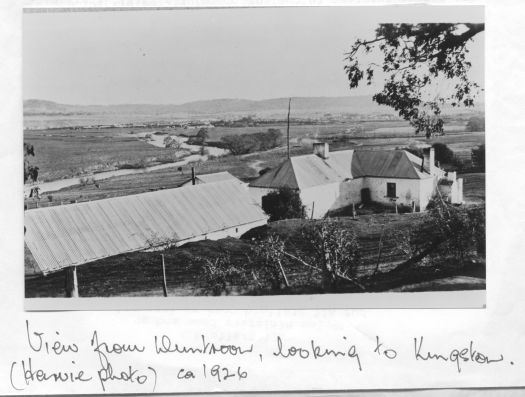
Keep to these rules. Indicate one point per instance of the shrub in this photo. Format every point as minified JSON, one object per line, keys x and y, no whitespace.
{"x":248,"y":143}
{"x":478,"y":157}
{"x":443,"y":154}
{"x":456,"y":232}
{"x":270,"y":255}
{"x":86,"y":180}
{"x":475,"y":124}
{"x":283,"y":204}
{"x":219,"y":273}
{"x":336,"y":251}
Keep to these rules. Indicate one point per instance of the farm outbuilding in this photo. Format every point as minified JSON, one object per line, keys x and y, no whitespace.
{"x":212,"y":178}
{"x":330,"y":181}
{"x":72,"y":235}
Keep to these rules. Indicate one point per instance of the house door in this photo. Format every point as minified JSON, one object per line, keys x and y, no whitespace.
{"x":365,"y":195}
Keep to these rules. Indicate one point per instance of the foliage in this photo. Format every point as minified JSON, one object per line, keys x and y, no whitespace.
{"x":249,"y":143}
{"x":415,"y":58}
{"x":218,"y":273}
{"x":457,"y":232}
{"x":86,"y":180}
{"x":284,"y":203}
{"x":270,"y":254}
{"x":475,"y":124}
{"x":336,"y":250}
{"x":443,"y":153}
{"x":200,"y":138}
{"x":30,"y":171}
{"x":478,"y":156}
{"x":173,"y":144}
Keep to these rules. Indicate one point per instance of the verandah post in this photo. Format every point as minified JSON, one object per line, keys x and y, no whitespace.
{"x":164,"y":285}
{"x":71,"y":282}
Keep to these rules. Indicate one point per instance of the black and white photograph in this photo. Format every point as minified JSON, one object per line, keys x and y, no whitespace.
{"x":274,"y":151}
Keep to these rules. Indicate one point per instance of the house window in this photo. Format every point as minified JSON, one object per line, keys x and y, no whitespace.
{"x":391,"y":190}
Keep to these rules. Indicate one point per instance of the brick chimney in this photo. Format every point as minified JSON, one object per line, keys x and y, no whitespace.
{"x":322,"y":150}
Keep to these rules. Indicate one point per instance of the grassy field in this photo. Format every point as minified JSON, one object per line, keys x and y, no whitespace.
{"x":474,"y":187}
{"x":140,"y":274}
{"x":61,"y":153}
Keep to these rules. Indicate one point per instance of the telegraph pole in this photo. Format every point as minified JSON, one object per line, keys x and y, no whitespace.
{"x":288,"y":128}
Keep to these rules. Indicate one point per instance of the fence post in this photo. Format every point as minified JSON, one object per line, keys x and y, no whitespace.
{"x":284,"y":274}
{"x":164,"y":285}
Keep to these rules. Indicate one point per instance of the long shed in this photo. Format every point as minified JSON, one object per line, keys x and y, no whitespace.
{"x":75,"y":234}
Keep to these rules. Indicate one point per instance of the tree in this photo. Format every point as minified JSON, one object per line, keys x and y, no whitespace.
{"x":443,"y":154}
{"x":336,"y":251}
{"x":415,"y":59}
{"x":240,"y":144}
{"x":274,"y":137}
{"x":478,"y":156}
{"x":450,"y":233}
{"x":270,"y":253}
{"x":30,"y":171}
{"x":475,"y":124}
{"x":173,"y":144}
{"x":202,"y":135}
{"x":283,"y":204}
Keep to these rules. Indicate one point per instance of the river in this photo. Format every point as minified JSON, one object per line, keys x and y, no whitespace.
{"x":156,"y":140}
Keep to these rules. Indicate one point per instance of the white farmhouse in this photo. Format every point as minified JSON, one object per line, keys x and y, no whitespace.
{"x":329,"y":181}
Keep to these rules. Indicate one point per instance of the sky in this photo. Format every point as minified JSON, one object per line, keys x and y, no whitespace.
{"x":183,"y":55}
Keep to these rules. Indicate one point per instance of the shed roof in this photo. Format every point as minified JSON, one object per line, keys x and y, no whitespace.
{"x":217,"y":177}
{"x":301,"y":172}
{"x":75,"y":234}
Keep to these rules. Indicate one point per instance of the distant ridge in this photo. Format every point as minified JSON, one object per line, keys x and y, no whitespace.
{"x":42,"y":114}
{"x":350,"y":104}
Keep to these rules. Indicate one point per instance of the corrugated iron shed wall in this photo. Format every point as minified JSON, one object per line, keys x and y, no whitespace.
{"x":75,"y":234}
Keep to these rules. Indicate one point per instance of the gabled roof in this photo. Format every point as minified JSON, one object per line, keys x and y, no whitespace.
{"x":217,"y":177}
{"x":213,"y":178}
{"x":75,"y":234}
{"x":386,"y":164}
{"x":301,"y":172}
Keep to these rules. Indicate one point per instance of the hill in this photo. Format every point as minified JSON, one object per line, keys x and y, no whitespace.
{"x":353,"y":104}
{"x":47,"y":114}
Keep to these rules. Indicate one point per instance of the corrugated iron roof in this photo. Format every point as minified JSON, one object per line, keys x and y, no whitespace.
{"x":75,"y":234}
{"x":301,"y":172}
{"x":383,"y":164}
{"x":217,"y":177}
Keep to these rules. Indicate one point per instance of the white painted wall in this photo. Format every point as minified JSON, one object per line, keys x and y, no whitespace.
{"x":407,"y":190}
{"x":257,"y":193}
{"x":337,"y":195}
{"x":426,"y":192}
{"x":332,"y":196}
{"x":320,"y":199}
